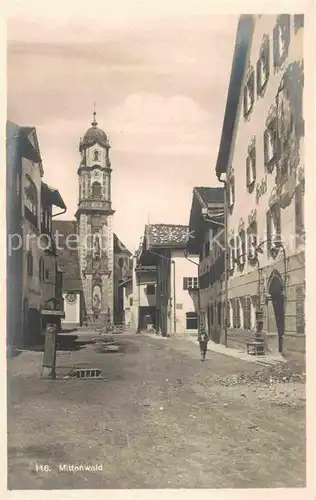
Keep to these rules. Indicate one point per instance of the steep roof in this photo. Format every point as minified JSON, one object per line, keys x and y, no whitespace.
{"x":53,"y":196}
{"x":242,"y":44}
{"x":119,"y":247}
{"x":67,"y":255}
{"x":166,"y":235}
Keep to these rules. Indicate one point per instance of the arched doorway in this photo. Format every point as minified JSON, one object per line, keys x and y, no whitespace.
{"x":276,"y":307}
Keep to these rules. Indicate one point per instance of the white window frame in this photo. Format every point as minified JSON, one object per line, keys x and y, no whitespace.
{"x":192,"y":283}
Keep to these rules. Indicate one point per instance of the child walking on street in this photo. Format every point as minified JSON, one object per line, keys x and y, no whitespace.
{"x":203,"y":340}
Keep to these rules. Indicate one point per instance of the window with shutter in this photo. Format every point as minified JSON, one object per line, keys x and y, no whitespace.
{"x":185,"y":283}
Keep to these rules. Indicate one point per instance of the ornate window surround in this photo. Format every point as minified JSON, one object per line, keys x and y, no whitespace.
{"x":270,"y":140}
{"x":281,"y":40}
{"x":273,"y":228}
{"x":263,"y":65}
{"x":251,"y":165}
{"x":252,"y":239}
{"x":249,"y":91}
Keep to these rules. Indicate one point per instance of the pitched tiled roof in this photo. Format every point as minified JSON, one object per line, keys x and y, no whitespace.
{"x":210,"y":195}
{"x":167,"y":235}
{"x":68,"y":258}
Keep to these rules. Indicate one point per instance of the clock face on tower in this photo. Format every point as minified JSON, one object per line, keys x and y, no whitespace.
{"x":96,"y":174}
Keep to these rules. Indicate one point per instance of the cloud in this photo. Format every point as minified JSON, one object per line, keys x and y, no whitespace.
{"x":149,"y":122}
{"x":160,"y":85}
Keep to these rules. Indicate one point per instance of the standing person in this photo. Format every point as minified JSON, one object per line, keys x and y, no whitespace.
{"x":203,"y":340}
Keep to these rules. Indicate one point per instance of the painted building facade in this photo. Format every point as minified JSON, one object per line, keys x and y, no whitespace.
{"x":208,"y":240}
{"x":262,"y":155}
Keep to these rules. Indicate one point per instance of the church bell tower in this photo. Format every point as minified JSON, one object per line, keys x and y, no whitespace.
{"x":94,"y":220}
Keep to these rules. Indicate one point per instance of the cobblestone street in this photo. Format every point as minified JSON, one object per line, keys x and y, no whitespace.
{"x":159,"y":419}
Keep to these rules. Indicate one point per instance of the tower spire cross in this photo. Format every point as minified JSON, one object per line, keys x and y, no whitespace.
{"x":94,"y":122}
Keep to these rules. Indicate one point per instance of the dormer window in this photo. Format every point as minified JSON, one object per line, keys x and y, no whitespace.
{"x":249,"y":93}
{"x":263,"y":66}
{"x":281,"y":39}
{"x":270,"y":144}
{"x":251,"y":166}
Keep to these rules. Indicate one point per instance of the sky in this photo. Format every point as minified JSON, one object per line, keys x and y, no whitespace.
{"x":159,"y":74}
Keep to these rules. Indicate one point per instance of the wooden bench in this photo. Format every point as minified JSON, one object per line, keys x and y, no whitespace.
{"x":255,"y":348}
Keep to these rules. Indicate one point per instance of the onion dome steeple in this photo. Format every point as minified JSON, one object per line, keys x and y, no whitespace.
{"x":94,"y":135}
